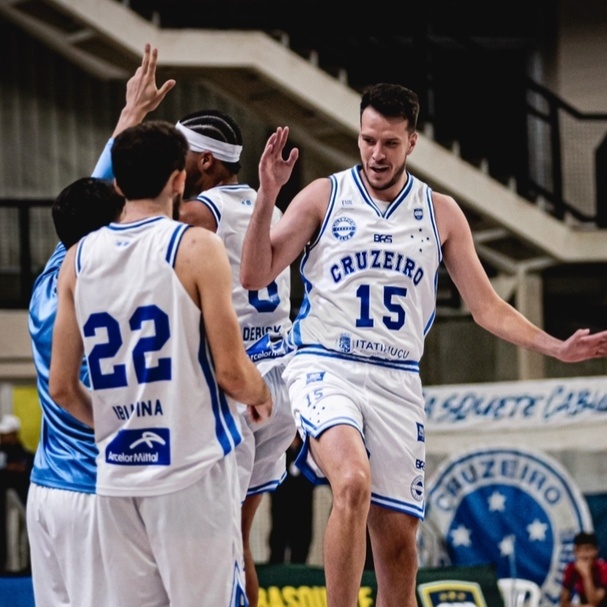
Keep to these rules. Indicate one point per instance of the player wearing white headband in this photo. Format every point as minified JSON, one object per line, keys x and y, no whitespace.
{"x":228,"y":152}
{"x":221,"y":204}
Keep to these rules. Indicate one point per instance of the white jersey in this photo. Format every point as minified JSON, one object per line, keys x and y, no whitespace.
{"x":161,"y":420}
{"x":370,"y":276}
{"x":263,"y":312}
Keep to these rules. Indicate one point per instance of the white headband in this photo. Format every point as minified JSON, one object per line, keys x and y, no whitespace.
{"x":228,"y":152}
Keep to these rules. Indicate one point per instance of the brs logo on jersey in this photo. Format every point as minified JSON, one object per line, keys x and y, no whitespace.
{"x":142,"y":447}
{"x":382,"y":237}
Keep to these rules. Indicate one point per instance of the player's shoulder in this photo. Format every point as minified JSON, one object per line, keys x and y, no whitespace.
{"x":198,"y":234}
{"x":199,"y":243}
{"x":314,"y":197}
{"x":441,"y":200}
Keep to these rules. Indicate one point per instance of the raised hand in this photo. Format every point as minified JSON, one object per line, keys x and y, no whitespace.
{"x":142,"y":94}
{"x":274,"y":170}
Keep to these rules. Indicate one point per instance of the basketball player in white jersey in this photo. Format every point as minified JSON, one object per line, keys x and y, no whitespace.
{"x":217,"y":201}
{"x":148,"y":301}
{"x":64,"y":551}
{"x":373,"y":236}
{"x":223,"y":205}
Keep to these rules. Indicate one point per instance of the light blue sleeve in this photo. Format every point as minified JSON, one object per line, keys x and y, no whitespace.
{"x":103,"y":168}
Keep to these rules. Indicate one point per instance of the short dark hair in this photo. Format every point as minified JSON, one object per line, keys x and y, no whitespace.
{"x":83,"y":206}
{"x":144,"y":156}
{"x":585,"y":537}
{"x":217,"y":125}
{"x":392,"y":101}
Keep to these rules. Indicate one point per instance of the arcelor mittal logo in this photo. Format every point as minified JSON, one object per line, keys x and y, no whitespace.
{"x":141,"y":447}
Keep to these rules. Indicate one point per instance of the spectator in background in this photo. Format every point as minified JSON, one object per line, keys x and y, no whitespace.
{"x":15,"y":459}
{"x":292,"y":513}
{"x":585,"y":578}
{"x":15,"y":466}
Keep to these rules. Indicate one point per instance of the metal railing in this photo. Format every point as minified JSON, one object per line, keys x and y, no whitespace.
{"x":27,"y":238}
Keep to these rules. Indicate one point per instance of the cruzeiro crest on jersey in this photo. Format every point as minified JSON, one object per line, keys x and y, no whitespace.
{"x":344,"y":342}
{"x":343,"y":228}
{"x":515,"y":508}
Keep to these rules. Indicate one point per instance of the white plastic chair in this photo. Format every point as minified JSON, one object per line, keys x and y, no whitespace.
{"x":519,"y":593}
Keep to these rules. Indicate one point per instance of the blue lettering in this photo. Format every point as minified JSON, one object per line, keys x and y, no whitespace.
{"x":347,"y":265}
{"x":377,"y":259}
{"x":335,"y":273}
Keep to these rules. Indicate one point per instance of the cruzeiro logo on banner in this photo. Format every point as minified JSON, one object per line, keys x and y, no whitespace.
{"x":517,"y":509}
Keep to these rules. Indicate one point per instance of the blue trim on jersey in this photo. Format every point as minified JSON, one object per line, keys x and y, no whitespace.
{"x":209,"y":204}
{"x":439,"y":247}
{"x":399,"y":506}
{"x":327,"y":216}
{"x":226,"y":429}
{"x":239,"y":596}
{"x":401,"y":197}
{"x":430,"y":322}
{"x":304,"y":467}
{"x":233,"y":187}
{"x":310,"y":430}
{"x":360,"y":185}
{"x":315,"y":431}
{"x":78,"y":258}
{"x":294,"y":337}
{"x":171,"y":254}
{"x":121,"y":227}
{"x":317,"y":350}
{"x":439,"y":253}
{"x":266,"y":487}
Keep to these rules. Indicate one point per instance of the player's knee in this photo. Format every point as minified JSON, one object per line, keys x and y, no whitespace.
{"x":352,"y":489}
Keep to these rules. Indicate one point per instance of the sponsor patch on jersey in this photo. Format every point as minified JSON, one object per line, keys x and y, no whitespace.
{"x":421,"y":433}
{"x":343,"y":228}
{"x":141,"y":447}
{"x":344,"y":343}
{"x":451,"y":593}
{"x":315,"y":377}
{"x":514,"y":508}
{"x":246,"y":202}
{"x":418,"y":213}
{"x":417,"y":488}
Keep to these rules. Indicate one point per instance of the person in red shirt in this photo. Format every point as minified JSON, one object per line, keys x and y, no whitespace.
{"x":585,"y":577}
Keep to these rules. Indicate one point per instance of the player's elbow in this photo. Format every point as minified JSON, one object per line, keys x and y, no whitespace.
{"x":232,"y":380}
{"x":59,"y":391}
{"x":250,"y":281}
{"x":62,"y":389}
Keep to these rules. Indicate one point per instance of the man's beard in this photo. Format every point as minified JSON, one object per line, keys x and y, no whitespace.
{"x":176,"y":206}
{"x":397,"y":175}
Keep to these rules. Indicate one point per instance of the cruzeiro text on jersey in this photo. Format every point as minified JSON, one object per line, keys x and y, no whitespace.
{"x":376,"y":259}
